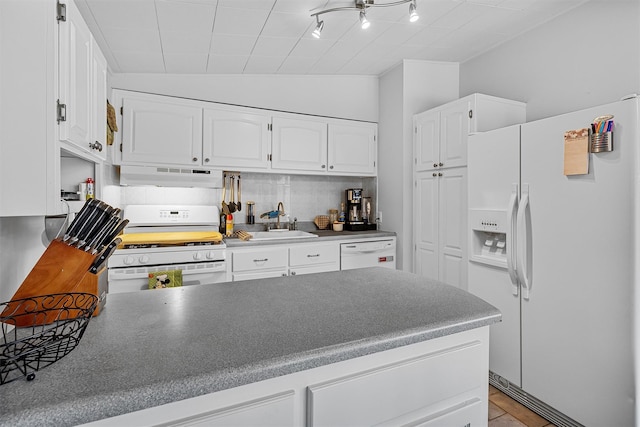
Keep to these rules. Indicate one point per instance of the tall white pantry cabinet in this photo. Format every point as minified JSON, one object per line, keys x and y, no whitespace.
{"x":53,"y":81}
{"x":440,"y":180}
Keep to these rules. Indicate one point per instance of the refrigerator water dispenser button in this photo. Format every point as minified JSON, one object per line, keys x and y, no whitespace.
{"x":488,"y":242}
{"x":501,"y":244}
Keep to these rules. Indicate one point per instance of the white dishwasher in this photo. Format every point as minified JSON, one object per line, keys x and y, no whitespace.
{"x":371,"y":253}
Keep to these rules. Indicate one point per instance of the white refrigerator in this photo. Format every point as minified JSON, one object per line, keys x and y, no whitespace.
{"x":558,"y":256}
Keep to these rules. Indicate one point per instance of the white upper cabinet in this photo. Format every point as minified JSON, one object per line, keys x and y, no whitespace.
{"x":352,"y":148}
{"x":161,"y":131}
{"x":299,"y":144}
{"x":441,"y":133}
{"x":236,"y":138}
{"x":99,"y":96}
{"x":82,"y":86}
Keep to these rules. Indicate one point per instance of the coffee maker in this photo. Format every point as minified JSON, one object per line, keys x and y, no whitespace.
{"x":358,"y":213}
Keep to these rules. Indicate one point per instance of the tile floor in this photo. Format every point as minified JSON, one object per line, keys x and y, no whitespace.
{"x":506,"y":412}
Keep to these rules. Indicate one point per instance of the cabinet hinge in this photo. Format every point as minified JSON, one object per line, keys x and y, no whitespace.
{"x":61,"y":12}
{"x":471,"y":114}
{"x":269,"y":157}
{"x":61,"y":111}
{"x":269,"y":127}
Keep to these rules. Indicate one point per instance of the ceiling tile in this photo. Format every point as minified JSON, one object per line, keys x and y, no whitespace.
{"x":223,"y":44}
{"x":140,"y":62}
{"x":139,"y":14}
{"x":311,"y":47}
{"x":398,"y":33}
{"x":298,"y":6}
{"x":427,"y":36}
{"x":274,"y":46}
{"x":186,"y":63}
{"x":227,"y":64}
{"x":263,"y":64}
{"x":248,"y":4}
{"x":246,"y":22}
{"x":185,"y":42}
{"x":297,"y":65}
{"x":133,"y":40}
{"x":183,"y":16}
{"x":461,"y":15}
{"x":287,"y":25}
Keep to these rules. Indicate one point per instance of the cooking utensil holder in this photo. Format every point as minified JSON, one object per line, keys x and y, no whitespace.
{"x":601,"y":142}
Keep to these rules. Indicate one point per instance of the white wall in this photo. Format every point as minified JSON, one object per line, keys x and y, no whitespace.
{"x":409,"y":88}
{"x":348,"y":97}
{"x":587,"y":57}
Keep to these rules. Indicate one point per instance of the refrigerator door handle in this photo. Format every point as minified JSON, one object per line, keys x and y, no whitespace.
{"x":511,"y":239}
{"x":522,"y":238}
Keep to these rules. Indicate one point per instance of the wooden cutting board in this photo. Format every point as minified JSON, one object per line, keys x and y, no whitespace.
{"x":170,"y":238}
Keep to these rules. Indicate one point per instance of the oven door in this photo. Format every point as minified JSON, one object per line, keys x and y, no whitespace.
{"x":130,"y":279}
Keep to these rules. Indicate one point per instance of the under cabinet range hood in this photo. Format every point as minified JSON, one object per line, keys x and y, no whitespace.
{"x":164,"y":176}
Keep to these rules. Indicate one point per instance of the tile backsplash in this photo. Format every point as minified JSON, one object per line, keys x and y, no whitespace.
{"x":303,"y":196}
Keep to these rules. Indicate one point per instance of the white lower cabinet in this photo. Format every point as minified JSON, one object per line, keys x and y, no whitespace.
{"x":259,"y":263}
{"x":276,"y":261}
{"x":439,"y":382}
{"x":316,"y":258}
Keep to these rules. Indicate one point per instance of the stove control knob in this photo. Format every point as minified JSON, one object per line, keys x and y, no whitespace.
{"x":128,"y":260}
{"x":197,"y":256}
{"x":144,"y":259}
{"x":211,"y":255}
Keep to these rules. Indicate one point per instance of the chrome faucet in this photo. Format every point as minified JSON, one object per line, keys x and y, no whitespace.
{"x":280,"y":210}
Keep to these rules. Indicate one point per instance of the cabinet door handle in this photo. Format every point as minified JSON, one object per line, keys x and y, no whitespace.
{"x":435,"y":165}
{"x":435,"y":174}
{"x":195,"y":159}
{"x":313,"y":255}
{"x":331,"y":167}
{"x":440,"y":164}
{"x":261,"y":260}
{"x":440,"y":174}
{"x":323,"y":166}
{"x":206,"y":160}
{"x":293,"y":273}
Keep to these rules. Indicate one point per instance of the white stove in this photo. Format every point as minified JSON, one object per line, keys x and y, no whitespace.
{"x":200,"y":262}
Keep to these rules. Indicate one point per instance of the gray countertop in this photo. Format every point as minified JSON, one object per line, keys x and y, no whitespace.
{"x":323,"y":235}
{"x":154,"y":347}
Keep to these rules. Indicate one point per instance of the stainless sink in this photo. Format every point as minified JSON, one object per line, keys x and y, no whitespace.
{"x":280,"y":235}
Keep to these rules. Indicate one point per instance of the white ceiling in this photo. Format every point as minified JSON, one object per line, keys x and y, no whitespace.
{"x":274,"y":36}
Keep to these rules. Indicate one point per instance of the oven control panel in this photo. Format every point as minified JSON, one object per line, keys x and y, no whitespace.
{"x":170,"y":215}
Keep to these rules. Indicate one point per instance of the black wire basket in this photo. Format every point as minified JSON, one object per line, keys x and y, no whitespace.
{"x":40,"y":330}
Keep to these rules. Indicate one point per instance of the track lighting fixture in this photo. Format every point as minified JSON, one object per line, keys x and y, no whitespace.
{"x":361,"y":6}
{"x":364,"y":23}
{"x":413,"y":12}
{"x":320,"y":25}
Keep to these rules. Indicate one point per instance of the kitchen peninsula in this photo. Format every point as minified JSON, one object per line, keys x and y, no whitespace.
{"x":353,"y":347}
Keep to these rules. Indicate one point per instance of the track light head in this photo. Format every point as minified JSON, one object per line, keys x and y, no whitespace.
{"x":318,"y":30}
{"x":364,"y":22}
{"x":413,"y":12}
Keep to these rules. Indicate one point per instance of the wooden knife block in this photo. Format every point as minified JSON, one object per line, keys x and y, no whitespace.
{"x":60,"y":269}
{"x":97,"y":285}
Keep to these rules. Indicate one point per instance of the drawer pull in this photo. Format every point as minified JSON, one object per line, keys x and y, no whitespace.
{"x":261,"y":260}
{"x":313,"y":256}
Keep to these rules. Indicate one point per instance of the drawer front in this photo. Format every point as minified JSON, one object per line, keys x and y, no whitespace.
{"x":373,"y":397}
{"x":260,"y":259}
{"x":303,"y":255}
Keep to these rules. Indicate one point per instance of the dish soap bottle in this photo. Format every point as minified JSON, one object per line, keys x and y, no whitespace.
{"x":342,"y":215}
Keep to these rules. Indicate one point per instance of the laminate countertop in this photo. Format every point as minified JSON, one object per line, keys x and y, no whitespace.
{"x":153,"y":347}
